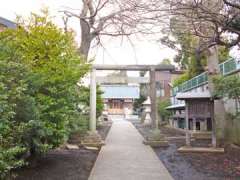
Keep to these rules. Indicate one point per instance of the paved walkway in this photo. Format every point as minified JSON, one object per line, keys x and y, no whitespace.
{"x":124,"y":157}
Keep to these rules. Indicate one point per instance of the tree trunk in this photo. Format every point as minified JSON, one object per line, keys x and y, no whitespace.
{"x":199,"y":66}
{"x":219,"y":109}
{"x":86,"y":38}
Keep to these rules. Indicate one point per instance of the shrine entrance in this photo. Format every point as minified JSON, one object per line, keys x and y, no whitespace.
{"x":116,"y":105}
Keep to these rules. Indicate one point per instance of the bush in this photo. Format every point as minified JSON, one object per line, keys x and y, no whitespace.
{"x":164,"y":114}
{"x":233,"y":129}
{"x":39,"y":71}
{"x":84,"y":97}
{"x":181,"y":79}
{"x":13,"y":87}
{"x":137,"y":105}
{"x":228,"y":86}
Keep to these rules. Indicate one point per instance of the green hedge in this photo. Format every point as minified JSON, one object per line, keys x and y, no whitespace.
{"x":39,"y":70}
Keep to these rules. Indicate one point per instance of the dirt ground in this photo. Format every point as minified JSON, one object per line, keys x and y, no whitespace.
{"x":195,"y":166}
{"x":63,"y":164}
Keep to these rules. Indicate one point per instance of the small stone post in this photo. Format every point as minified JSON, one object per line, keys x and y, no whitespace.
{"x":214,"y":136}
{"x":188,"y":140}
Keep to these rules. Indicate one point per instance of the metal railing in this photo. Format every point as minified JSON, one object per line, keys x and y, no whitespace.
{"x":229,"y":66}
{"x":226,"y":68}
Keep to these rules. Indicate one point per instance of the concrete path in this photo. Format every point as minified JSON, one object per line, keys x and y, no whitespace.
{"x":125,"y":157}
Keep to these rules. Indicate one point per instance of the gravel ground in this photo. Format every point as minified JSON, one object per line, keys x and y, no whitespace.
{"x":63,"y":164}
{"x":195,"y":166}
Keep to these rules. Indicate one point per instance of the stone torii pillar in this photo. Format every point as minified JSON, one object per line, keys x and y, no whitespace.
{"x":93,"y":99}
{"x":93,"y":139}
{"x":154,"y":137}
{"x":153,"y":98}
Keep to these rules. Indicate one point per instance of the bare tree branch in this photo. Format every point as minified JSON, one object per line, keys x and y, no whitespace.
{"x":116,"y":18}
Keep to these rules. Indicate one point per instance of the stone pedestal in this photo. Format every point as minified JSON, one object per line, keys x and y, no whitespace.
{"x":92,"y":139}
{"x":147,"y":120}
{"x":155,"y":139}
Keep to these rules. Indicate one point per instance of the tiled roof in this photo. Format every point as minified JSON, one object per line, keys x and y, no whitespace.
{"x":8,"y":23}
{"x":120,"y":91}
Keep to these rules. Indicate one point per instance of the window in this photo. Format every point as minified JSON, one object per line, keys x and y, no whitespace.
{"x":160,"y":89}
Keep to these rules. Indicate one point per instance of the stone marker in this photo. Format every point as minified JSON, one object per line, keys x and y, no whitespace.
{"x":189,"y":149}
{"x":72,"y":146}
{"x":91,"y":148}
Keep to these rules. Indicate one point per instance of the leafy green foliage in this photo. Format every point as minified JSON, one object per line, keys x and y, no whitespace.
{"x":235,"y":23}
{"x":13,"y":86}
{"x":187,"y":45}
{"x":166,"y":62}
{"x":165,"y":114}
{"x":229,"y":87}
{"x":39,"y":71}
{"x":85,"y":99}
{"x":181,"y":79}
{"x":223,"y":54}
{"x":138,"y":102}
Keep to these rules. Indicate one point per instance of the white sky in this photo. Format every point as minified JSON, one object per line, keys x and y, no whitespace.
{"x":144,"y":51}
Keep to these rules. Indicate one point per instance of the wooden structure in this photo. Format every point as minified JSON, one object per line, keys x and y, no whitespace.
{"x":199,"y":111}
{"x":116,"y":106}
{"x":119,"y":98}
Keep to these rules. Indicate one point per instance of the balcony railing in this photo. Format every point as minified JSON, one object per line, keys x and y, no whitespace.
{"x":229,"y":66}
{"x":226,"y":68}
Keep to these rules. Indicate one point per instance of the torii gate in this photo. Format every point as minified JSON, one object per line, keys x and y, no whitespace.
{"x":151,"y":68}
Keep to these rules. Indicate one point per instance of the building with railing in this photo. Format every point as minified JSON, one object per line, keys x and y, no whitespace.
{"x":226,"y":68}
{"x":197,"y":88}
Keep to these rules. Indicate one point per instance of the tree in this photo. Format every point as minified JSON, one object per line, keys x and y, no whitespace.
{"x":13,"y":88}
{"x":181,"y":79}
{"x":85,"y":99}
{"x":215,"y":23}
{"x":40,"y":69}
{"x":137,"y":105}
{"x":100,"y":18}
{"x":166,"y":62}
{"x":180,"y":38}
{"x":165,"y":114}
{"x":208,"y":20}
{"x":228,"y":87}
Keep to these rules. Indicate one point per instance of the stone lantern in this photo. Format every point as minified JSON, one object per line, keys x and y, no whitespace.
{"x":146,"y":115}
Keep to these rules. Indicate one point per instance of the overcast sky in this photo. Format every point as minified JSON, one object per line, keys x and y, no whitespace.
{"x":144,"y":50}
